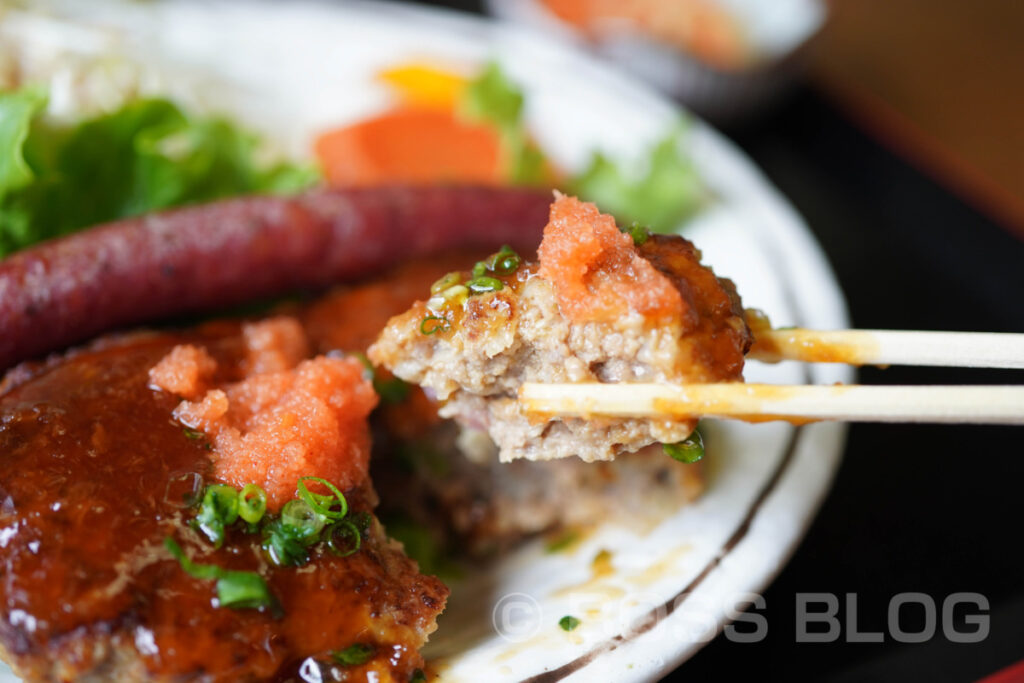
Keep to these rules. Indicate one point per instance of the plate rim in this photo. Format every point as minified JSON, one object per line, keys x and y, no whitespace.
{"x":796,"y":249}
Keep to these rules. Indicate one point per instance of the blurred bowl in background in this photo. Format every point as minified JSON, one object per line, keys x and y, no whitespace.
{"x":724,"y":59}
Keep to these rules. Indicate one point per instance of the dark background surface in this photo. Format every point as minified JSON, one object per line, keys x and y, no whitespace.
{"x":929,"y":509}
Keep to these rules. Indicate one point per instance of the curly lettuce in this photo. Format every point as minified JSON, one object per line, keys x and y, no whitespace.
{"x":146,"y":156}
{"x":493,"y":98}
{"x":662,"y":193}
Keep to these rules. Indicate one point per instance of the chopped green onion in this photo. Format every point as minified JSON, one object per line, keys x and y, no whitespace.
{"x":315,"y":501}
{"x":480,"y":285}
{"x":242,"y":590}
{"x":287,"y":537}
{"x":505,"y":262}
{"x":639,"y":233}
{"x":302,"y":521}
{"x":223,"y":499}
{"x":219,"y":509}
{"x":434,"y":323}
{"x":563,"y":541}
{"x":568,"y":623}
{"x":689,"y":450}
{"x":446,"y":282}
{"x":283,"y":546}
{"x":252,"y":503}
{"x":453,"y":296}
{"x":235,"y":589}
{"x":353,"y":655}
{"x":199,"y":571}
{"x":192,"y":434}
{"x":418,"y":676}
{"x":349,"y":541}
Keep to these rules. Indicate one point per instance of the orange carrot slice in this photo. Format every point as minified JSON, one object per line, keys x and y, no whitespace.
{"x":411,"y":145}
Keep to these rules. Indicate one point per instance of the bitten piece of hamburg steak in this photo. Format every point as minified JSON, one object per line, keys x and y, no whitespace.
{"x":601,"y":305}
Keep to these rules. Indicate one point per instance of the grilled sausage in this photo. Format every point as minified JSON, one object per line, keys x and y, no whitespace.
{"x":212,"y":256}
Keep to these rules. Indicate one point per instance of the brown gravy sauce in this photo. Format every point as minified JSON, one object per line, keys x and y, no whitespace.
{"x":93,"y":470}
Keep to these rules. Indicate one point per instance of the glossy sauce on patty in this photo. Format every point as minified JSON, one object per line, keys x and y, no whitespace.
{"x":95,"y":475}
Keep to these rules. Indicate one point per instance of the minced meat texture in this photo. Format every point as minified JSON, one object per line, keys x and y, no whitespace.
{"x":448,"y":483}
{"x":605,"y":310}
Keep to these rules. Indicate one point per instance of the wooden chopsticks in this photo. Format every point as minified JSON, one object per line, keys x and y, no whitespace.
{"x":890,"y":347}
{"x":765,"y":402}
{"x":850,"y":403}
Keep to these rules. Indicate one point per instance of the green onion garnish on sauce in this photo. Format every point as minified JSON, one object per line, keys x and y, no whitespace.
{"x":689,"y":450}
{"x":449,"y":292}
{"x":344,"y":538}
{"x":252,"y":503}
{"x":504,"y":262}
{"x":235,"y":589}
{"x":353,"y":655}
{"x":484,"y":284}
{"x":287,"y":538}
{"x":446,"y":282}
{"x":285,"y":545}
{"x":434,"y":323}
{"x":243,"y":590}
{"x":323,"y":503}
{"x":568,"y":623}
{"x":302,"y":520}
{"x":309,"y":519}
{"x":219,"y":510}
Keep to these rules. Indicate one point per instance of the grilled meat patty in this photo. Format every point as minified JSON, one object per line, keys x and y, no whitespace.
{"x":93,"y":477}
{"x":600,"y":306}
{"x":442,"y":485}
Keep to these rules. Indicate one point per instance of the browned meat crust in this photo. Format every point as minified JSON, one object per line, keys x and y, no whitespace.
{"x":91,"y":470}
{"x":492,"y":343}
{"x":220,"y":254}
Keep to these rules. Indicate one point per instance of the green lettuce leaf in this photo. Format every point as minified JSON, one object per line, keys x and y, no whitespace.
{"x":495,"y":99}
{"x":146,"y":156}
{"x":661,"y":197}
{"x":17,"y":109}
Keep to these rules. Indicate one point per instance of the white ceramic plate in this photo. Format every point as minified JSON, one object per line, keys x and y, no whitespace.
{"x":295,"y":68}
{"x":775,"y":30}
